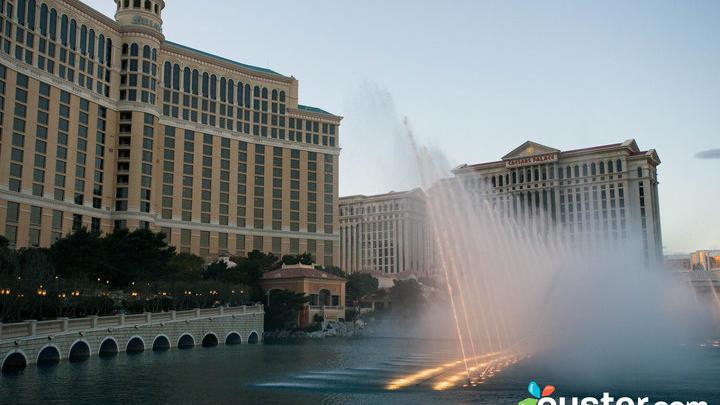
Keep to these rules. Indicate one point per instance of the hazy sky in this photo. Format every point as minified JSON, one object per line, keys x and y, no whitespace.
{"x":476,"y":79}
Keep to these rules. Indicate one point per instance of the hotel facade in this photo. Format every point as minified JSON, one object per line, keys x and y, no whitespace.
{"x":607,"y":192}
{"x":386,"y":234}
{"x":105,"y":124}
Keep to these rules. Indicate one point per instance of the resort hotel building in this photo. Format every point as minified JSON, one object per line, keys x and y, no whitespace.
{"x":386,"y":234}
{"x":608,"y":192}
{"x":105,"y":124}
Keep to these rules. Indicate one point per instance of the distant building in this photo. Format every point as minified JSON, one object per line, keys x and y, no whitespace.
{"x":705,"y":260}
{"x":326,"y":291}
{"x":608,"y":191}
{"x":386,"y":233}
{"x":106,"y":124}
{"x":678,"y":262}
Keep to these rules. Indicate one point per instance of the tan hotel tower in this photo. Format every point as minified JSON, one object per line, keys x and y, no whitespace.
{"x":105,"y":124}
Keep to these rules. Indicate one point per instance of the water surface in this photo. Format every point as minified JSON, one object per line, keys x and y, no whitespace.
{"x":329,"y":371}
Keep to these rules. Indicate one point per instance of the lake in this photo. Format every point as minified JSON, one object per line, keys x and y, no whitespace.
{"x":327,"y":371}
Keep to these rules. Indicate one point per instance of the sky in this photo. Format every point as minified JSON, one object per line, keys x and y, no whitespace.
{"x":475,"y":79}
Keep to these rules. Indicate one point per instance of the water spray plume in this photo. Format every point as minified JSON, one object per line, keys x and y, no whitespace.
{"x":519,"y":283}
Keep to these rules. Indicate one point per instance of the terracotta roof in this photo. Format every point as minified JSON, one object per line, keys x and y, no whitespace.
{"x":299,"y":272}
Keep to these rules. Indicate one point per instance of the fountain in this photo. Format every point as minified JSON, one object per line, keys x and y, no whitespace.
{"x":520,"y":285}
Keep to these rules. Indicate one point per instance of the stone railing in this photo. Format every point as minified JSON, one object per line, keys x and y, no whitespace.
{"x":61,"y":325}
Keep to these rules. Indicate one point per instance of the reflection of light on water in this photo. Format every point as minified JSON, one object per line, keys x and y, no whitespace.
{"x":487,"y":370}
{"x":479,"y":373}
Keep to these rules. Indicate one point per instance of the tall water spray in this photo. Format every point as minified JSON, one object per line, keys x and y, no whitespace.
{"x":583,"y":305}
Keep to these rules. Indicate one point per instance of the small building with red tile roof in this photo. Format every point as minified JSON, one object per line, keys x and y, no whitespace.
{"x":326,"y":290}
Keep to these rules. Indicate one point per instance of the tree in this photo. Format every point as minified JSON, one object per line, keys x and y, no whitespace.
{"x":304,"y":258}
{"x":360,"y":286}
{"x":283,"y":309}
{"x":139,"y":255}
{"x":406,"y":297}
{"x":184,"y":267}
{"x":81,"y":255}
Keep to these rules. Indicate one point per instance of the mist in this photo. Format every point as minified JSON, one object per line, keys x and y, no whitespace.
{"x":582,"y":308}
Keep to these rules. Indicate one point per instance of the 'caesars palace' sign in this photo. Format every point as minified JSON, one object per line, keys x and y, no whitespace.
{"x":531,"y":160}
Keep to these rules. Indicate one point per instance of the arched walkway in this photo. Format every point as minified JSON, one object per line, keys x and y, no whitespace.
{"x":48,"y":356}
{"x":108,"y":348}
{"x":161,"y":343}
{"x":253,"y":338}
{"x":79,"y":351}
{"x":233,"y":338}
{"x":135,"y":345}
{"x":210,"y":340}
{"x":14,"y":362}
{"x":186,"y":342}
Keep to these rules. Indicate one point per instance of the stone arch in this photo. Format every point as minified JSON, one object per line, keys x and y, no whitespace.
{"x":210,"y":339}
{"x":79,"y":351}
{"x":253,"y":337}
{"x":186,"y":341}
{"x":161,"y":343}
{"x":108,"y":347}
{"x":135,"y":344}
{"x":14,"y":362}
{"x":233,"y":338}
{"x":48,"y":355}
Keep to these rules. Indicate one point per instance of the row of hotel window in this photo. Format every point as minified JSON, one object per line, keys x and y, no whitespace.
{"x":20,"y":145}
{"x":519,"y":176}
{"x":77,"y":48}
{"x":36,"y":226}
{"x":259,"y":111}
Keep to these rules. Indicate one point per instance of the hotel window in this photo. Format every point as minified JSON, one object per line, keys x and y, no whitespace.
{"x":81,"y":155}
{"x":99,"y":157}
{"x":241,"y":185}
{"x":222,"y":243}
{"x":328,"y":189}
{"x":259,"y":189}
{"x":187,"y":192}
{"x":277,"y":188}
{"x":224,"y":207}
{"x":240,"y":245}
{"x":77,"y":222}
{"x":294,"y":246}
{"x":328,"y":259}
{"x":312,"y":192}
{"x":204,"y":243}
{"x":57,"y":225}
{"x":12,"y":217}
{"x":294,"y":190}
{"x":258,"y":243}
{"x":168,"y":173}
{"x":312,"y":248}
{"x":276,"y":246}
{"x":95,"y":226}
{"x":185,"y":240}
{"x":17,"y":151}
{"x":35,"y":226}
{"x":207,"y":178}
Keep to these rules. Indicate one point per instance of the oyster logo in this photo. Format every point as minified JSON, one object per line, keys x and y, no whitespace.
{"x":543,"y":398}
{"x":534,"y":390}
